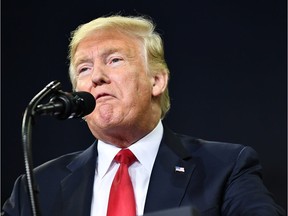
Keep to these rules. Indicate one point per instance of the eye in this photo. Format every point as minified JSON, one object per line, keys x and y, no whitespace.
{"x":115,"y":60}
{"x":84,"y":70}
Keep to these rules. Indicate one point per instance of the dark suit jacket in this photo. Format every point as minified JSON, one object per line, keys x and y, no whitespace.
{"x":218,"y":179}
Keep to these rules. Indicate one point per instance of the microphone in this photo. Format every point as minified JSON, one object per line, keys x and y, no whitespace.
{"x":64,"y":105}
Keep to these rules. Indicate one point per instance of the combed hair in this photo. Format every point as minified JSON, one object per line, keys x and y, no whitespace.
{"x":138,"y":26}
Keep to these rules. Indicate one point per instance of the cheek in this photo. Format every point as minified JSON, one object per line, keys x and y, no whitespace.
{"x":82,"y":85}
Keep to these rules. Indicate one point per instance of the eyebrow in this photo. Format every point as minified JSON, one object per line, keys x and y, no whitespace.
{"x":110,"y":51}
{"x":82,"y":60}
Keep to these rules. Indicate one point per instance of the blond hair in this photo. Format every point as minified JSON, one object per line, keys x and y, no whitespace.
{"x":141,"y":27}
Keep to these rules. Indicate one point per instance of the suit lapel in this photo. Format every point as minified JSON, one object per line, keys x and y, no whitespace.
{"x":77,"y":188}
{"x":170,"y":176}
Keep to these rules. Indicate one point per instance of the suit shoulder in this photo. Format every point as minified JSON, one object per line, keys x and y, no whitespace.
{"x":215,"y":148}
{"x":63,"y":159}
{"x":60,"y":163}
{"x":207,"y":143}
{"x":71,"y":160}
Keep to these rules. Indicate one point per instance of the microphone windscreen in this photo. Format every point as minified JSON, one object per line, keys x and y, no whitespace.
{"x":86,"y":102}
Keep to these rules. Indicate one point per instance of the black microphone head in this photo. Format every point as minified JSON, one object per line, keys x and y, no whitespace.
{"x":64,"y":105}
{"x":85,"y":103}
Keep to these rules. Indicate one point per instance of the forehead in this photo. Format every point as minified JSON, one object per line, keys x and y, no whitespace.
{"x":108,"y":40}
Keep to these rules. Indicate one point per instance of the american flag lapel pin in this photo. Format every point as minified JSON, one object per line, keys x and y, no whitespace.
{"x":179,"y":169}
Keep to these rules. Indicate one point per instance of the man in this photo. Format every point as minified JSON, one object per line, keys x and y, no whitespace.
{"x":120,"y":61}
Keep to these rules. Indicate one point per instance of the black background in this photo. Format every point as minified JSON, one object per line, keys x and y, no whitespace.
{"x":228,"y":75}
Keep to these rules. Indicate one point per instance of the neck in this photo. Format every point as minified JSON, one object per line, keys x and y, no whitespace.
{"x":124,"y":137}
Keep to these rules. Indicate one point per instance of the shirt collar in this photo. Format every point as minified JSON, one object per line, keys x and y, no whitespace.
{"x":144,"y":149}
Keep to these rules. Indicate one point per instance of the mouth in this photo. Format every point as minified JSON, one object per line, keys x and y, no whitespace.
{"x":102,"y":95}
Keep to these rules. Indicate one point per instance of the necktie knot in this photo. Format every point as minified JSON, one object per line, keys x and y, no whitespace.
{"x":125,"y":156}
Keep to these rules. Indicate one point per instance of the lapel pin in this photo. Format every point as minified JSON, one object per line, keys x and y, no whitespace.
{"x":179,"y":169}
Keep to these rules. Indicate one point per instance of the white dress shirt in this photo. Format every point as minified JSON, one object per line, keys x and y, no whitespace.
{"x":145,"y":151}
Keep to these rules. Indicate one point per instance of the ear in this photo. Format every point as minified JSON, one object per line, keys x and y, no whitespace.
{"x":159,"y":83}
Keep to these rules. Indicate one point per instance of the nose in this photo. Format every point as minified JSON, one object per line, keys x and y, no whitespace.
{"x":99,"y":77}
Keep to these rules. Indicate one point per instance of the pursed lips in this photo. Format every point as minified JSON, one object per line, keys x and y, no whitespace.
{"x":103,"y":95}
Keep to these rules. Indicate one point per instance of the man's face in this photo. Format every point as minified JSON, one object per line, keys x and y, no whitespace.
{"x":112,"y":67}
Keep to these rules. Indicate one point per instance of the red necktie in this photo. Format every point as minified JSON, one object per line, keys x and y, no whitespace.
{"x":121,"y":198}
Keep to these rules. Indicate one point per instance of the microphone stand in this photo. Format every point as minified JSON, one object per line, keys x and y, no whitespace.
{"x":27,"y":121}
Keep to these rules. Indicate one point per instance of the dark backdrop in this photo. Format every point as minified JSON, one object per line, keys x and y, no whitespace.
{"x":228,"y":75}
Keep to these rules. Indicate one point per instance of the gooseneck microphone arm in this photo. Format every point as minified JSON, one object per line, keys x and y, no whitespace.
{"x":62,"y":105}
{"x":28,"y":120}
